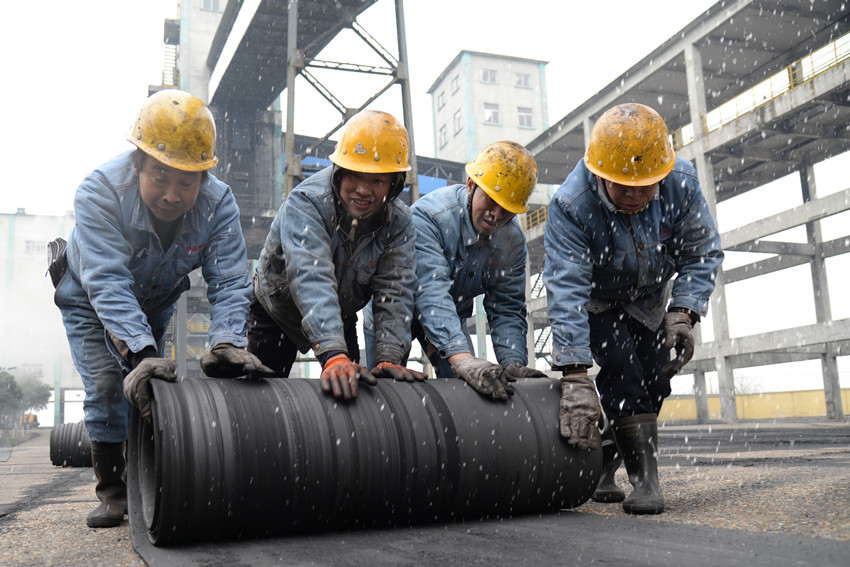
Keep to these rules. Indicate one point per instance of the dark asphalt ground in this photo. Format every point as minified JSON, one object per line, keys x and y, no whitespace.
{"x":754,"y":494}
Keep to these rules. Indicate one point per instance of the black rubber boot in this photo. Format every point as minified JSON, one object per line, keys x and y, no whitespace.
{"x":637,"y":439}
{"x":108,"y":462}
{"x":607,"y":490}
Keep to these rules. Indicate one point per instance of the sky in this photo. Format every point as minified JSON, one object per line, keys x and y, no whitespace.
{"x":77,"y":74}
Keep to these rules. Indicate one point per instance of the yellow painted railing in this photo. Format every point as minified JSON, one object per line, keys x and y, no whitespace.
{"x":535,"y":217}
{"x":791,"y":77}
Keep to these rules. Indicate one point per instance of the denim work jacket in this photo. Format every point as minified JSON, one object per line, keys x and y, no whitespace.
{"x":454,"y":266}
{"x":599,"y":259}
{"x":310,"y":277}
{"x":119,"y":266}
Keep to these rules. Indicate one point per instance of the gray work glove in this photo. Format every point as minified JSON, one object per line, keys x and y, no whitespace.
{"x":486,"y":378}
{"x":398,"y":372}
{"x":341,"y":375}
{"x":580,"y":411}
{"x":516,"y":370}
{"x":228,"y":361}
{"x":137,"y":383}
{"x":677,"y":330}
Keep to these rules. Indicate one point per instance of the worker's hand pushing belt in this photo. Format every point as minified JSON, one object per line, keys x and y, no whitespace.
{"x":516,"y":370}
{"x":229,"y":361}
{"x":486,"y":378}
{"x":397,"y":372}
{"x":340,"y":377}
{"x":677,"y":329}
{"x":580,"y":412}
{"x":137,"y":388}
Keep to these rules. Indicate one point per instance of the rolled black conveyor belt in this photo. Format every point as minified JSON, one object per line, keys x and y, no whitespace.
{"x":227,"y":459}
{"x":70,"y":445}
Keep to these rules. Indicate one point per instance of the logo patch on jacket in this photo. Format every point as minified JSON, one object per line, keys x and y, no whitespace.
{"x":196,"y":248}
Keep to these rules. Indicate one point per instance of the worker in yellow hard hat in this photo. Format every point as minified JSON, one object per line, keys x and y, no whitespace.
{"x":144,"y":221}
{"x":629,"y":218}
{"x":340,"y":239}
{"x":468,"y":243}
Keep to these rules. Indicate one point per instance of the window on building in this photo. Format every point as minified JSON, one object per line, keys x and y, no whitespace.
{"x":458,"y":123}
{"x":491,"y":113}
{"x":441,"y":100}
{"x":212,"y":5}
{"x":524,"y":114}
{"x":488,"y":76}
{"x":523,"y":81}
{"x":455,"y":84}
{"x":36,"y":247}
{"x":444,"y":136}
{"x":36,"y":370}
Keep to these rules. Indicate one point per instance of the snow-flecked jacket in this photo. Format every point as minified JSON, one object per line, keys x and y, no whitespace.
{"x":454,"y":266}
{"x":598,"y":258}
{"x":308,"y":278}
{"x":119,"y":267}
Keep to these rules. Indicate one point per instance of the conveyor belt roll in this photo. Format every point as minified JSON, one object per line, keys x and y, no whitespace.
{"x":225,"y":459}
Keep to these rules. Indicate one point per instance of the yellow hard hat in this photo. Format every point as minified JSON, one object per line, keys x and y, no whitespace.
{"x":629,"y":145}
{"x":373,"y":142}
{"x":177,"y":129}
{"x":507,"y":172}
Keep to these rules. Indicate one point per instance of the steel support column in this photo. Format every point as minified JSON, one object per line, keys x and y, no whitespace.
{"x":698,"y":109}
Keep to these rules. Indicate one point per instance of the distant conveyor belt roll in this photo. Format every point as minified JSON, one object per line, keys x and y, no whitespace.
{"x":226,"y":459}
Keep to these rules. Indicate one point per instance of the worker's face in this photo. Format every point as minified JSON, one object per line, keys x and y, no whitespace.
{"x":487,"y":215}
{"x":364,"y":193}
{"x":168,"y":192}
{"x":627,"y":199}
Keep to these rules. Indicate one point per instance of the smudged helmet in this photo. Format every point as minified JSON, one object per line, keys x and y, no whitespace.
{"x":507,"y":172}
{"x":373,"y":142}
{"x":630,"y":145}
{"x":177,"y":129}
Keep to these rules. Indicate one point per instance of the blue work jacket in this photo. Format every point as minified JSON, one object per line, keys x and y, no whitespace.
{"x":454,"y":265}
{"x":119,"y":266}
{"x":310,"y":276}
{"x":598,"y":258}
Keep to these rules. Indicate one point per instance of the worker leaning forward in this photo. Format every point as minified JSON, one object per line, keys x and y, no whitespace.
{"x":627,"y":220}
{"x":341,"y":238}
{"x":144,"y":221}
{"x":469,"y":243}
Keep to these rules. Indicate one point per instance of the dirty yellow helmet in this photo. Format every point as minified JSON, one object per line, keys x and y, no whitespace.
{"x":373,"y":142}
{"x":177,"y":129}
{"x":629,"y":145}
{"x":507,"y":172}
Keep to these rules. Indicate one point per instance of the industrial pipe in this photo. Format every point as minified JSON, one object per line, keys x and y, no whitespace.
{"x":227,"y":459}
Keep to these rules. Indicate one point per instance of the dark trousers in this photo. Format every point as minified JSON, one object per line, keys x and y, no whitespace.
{"x":270,"y":344}
{"x":630,"y":357}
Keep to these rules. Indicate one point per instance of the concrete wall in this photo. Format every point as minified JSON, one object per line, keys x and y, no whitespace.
{"x":777,"y":405}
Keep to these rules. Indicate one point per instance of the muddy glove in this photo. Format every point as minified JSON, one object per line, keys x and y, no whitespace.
{"x":516,"y":370}
{"x":146,"y":365}
{"x":677,"y":328}
{"x":340,"y":377}
{"x":390,"y":370}
{"x":486,"y":378}
{"x":228,"y":361}
{"x":580,"y":411}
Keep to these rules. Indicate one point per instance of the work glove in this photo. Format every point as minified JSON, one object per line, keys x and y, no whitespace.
{"x":137,"y":388}
{"x":580,"y":411}
{"x":486,"y":378}
{"x":516,"y":370}
{"x":340,"y":377}
{"x":390,"y":370}
{"x":228,"y":361}
{"x":677,"y":328}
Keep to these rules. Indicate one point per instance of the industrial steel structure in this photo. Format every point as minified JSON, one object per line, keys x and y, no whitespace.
{"x":752,"y":90}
